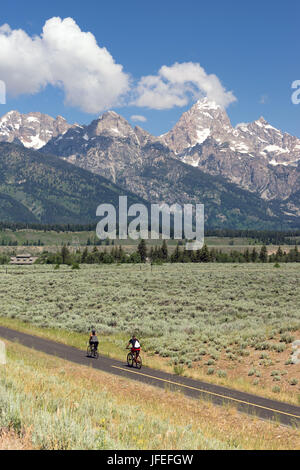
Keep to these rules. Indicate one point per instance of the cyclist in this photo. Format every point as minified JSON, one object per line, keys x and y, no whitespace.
{"x":93,"y":340}
{"x":135,"y":346}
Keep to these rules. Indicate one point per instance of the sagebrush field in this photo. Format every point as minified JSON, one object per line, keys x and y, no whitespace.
{"x":48,"y":403}
{"x":225,"y":321}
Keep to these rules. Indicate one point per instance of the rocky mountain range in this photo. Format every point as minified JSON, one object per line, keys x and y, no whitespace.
{"x":203,"y":158}
{"x":33,"y":130}
{"x":37,"y":187}
{"x":255,"y":156}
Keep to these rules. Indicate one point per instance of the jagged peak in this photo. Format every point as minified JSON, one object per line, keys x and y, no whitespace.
{"x":10,"y":114}
{"x":110,"y":114}
{"x":206,"y":103}
{"x":110,"y":123}
{"x":261,"y":120}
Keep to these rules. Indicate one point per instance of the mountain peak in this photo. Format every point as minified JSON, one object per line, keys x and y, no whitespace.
{"x":206,"y":103}
{"x":109,"y":113}
{"x":262,"y":120}
{"x":33,"y":129}
{"x":204,"y":119}
{"x":110,"y":123}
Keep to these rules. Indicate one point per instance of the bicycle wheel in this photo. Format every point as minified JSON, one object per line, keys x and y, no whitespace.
{"x":96,"y":355}
{"x":139,"y":362}
{"x":89,"y":351}
{"x":130,"y":359}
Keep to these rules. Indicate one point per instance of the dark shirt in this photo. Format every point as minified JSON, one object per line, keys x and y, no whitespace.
{"x":94,"y":339}
{"x":132,"y":342}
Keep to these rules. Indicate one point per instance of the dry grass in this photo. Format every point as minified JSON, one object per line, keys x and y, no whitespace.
{"x":10,"y":440}
{"x":166,"y":420}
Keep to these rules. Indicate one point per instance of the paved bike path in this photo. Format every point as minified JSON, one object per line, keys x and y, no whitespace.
{"x":264,"y":408}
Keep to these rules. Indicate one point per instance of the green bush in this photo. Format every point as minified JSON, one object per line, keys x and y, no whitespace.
{"x":178,"y":369}
{"x":222,"y":373}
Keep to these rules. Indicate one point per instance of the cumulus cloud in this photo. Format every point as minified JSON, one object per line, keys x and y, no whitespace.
{"x":66,"y":57}
{"x":175,"y":85}
{"x":138,"y":118}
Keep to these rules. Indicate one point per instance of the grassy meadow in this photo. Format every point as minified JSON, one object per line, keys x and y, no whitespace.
{"x":230,"y":324}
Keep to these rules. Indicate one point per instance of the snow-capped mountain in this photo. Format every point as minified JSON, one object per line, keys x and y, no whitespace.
{"x":255,"y":156}
{"x":109,"y":146}
{"x":33,"y":130}
{"x":206,"y":119}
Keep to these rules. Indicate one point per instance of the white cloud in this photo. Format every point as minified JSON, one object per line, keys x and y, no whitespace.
{"x":68,"y":58}
{"x":175,"y":85}
{"x":138,"y":117}
{"x":62,"y":56}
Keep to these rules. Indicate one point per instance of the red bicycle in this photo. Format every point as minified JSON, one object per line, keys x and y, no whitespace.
{"x":133,"y":358}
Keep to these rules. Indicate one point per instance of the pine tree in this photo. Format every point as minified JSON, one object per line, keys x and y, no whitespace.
{"x":176,"y":255}
{"x":279,"y":254}
{"x":204,"y":254}
{"x":164,"y":251}
{"x":263,"y":255}
{"x":142,"y":250}
{"x":84,"y":255}
{"x":247,"y":256}
{"x":65,"y":254}
{"x":254,"y":255}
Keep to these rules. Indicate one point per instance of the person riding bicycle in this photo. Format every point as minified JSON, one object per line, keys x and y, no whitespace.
{"x":135,"y":346}
{"x":93,"y":340}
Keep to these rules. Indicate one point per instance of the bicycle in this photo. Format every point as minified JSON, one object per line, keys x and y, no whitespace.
{"x":132,"y":359}
{"x":92,"y":352}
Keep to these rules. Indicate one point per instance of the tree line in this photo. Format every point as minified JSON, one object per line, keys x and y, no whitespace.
{"x":161,"y":254}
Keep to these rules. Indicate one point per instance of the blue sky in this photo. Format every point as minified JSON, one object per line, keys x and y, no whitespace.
{"x":250,"y":46}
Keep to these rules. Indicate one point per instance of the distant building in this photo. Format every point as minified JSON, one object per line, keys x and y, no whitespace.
{"x":23,"y":259}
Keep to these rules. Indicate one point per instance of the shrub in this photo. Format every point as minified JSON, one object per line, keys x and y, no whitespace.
{"x":222,"y":373}
{"x":75,"y":266}
{"x":278,"y":347}
{"x":275,"y":372}
{"x":264,"y":356}
{"x":288,"y":362}
{"x":178,"y":369}
{"x":286,"y":338}
{"x":210,"y":362}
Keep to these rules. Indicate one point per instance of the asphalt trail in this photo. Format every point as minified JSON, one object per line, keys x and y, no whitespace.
{"x":263,"y":408}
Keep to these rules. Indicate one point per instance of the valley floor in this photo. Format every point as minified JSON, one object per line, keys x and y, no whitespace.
{"x":228,"y":324}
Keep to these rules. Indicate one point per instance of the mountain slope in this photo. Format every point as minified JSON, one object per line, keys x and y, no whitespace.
{"x":36,"y":187}
{"x":135,"y":160}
